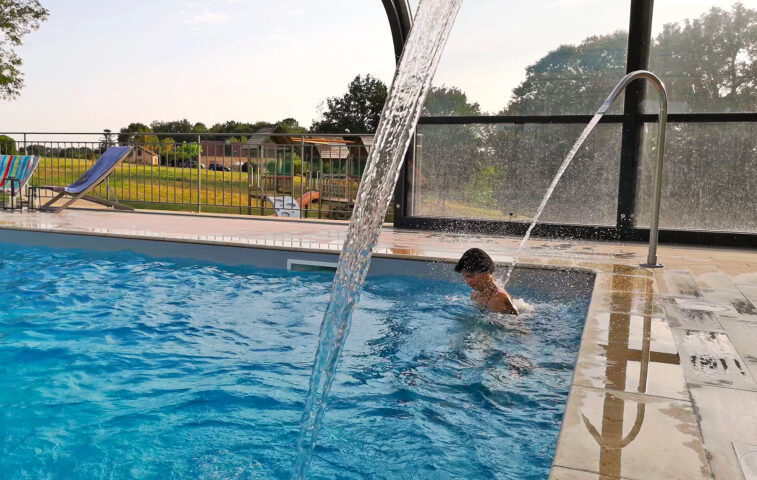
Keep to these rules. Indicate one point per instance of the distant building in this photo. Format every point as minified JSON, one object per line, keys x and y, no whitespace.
{"x":221,"y":148}
{"x":143,"y":156}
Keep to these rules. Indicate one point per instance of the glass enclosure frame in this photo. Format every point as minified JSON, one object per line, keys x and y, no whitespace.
{"x":633,"y":121}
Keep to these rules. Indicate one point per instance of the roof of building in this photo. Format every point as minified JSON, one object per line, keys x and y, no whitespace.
{"x":333,"y":151}
{"x":258,"y":139}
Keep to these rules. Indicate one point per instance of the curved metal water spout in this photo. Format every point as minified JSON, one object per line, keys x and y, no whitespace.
{"x":663,"y":120}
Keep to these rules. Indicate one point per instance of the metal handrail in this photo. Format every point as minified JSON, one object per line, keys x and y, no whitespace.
{"x":663,"y":100}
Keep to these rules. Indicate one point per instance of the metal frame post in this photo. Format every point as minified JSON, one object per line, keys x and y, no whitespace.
{"x":400,"y":23}
{"x":199,"y":176}
{"x":632,"y":140}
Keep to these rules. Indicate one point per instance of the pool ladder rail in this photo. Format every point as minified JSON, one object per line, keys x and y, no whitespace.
{"x":662,"y":125}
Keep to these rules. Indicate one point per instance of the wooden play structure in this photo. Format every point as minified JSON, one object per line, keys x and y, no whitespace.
{"x":323,"y":172}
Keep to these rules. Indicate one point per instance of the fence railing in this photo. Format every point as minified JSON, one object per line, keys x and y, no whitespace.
{"x":294,"y":175}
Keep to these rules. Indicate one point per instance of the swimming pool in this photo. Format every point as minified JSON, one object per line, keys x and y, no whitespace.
{"x":118,"y":365}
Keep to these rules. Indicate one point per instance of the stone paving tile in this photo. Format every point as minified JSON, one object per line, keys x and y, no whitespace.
{"x":750,"y":292}
{"x":624,"y":283}
{"x":731,"y":297}
{"x":710,"y":276}
{"x":606,"y":327}
{"x":631,"y":353}
{"x":634,"y":436}
{"x":743,"y":335}
{"x":617,"y":366}
{"x":725,"y":416}
{"x":696,"y":304}
{"x":740,"y":273}
{"x":747,"y":455}
{"x":562,"y":473}
{"x":709,"y":358}
{"x":627,"y":303}
{"x":691,"y":319}
{"x":677,"y":283}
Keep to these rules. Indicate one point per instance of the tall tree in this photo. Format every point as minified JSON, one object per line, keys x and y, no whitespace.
{"x":710,"y":63}
{"x":131,"y":132}
{"x":449,"y":101}
{"x":289,"y":125}
{"x":237,"y":130}
{"x":17,"y":19}
{"x":184,"y":130}
{"x":571,"y":78}
{"x":358,"y":111}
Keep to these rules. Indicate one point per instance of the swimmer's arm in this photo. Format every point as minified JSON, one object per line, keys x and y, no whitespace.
{"x":504,"y":304}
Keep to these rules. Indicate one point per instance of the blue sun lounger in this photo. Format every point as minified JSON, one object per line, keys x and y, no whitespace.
{"x":96,"y":174}
{"x":15,"y":172}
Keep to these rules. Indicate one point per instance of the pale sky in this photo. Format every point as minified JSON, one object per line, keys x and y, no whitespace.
{"x":104,"y":64}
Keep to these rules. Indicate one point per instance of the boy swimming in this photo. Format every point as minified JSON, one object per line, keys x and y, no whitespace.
{"x":477,"y":267}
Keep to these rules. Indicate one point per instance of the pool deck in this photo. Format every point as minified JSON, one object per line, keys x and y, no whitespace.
{"x":665,"y":386}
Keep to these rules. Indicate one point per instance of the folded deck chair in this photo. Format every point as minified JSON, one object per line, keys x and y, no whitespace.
{"x":89,"y":180}
{"x":15,"y":172}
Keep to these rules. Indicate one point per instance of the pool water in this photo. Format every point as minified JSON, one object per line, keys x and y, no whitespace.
{"x":120,"y":366}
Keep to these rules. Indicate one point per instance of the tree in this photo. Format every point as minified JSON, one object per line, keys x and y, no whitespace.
{"x":130,"y":133}
{"x":166,"y":146}
{"x":238,"y":129}
{"x":449,"y":101}
{"x":7,"y":146}
{"x":358,"y":111}
{"x":710,"y":63}
{"x":17,"y":19}
{"x":572,"y":78}
{"x":289,"y":125}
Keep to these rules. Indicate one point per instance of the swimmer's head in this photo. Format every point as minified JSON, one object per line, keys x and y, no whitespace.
{"x":476,"y":267}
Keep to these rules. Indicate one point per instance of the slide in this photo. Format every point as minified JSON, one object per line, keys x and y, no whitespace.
{"x":308,"y":198}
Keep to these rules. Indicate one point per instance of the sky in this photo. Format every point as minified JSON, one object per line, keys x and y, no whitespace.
{"x":103,"y":64}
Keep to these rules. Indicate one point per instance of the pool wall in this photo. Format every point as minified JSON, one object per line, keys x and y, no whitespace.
{"x":570,"y":280}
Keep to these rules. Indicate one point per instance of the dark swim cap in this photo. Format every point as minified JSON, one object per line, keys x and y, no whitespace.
{"x":475,"y":260}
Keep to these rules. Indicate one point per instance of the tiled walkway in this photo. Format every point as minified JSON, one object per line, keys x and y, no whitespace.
{"x":664,"y":386}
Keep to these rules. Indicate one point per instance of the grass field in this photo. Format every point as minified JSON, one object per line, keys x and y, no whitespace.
{"x":179,"y":189}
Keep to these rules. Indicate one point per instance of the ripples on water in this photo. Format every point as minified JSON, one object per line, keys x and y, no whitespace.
{"x":121,"y":367}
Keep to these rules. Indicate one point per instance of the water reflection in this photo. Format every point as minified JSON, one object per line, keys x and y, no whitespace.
{"x":610,"y":435}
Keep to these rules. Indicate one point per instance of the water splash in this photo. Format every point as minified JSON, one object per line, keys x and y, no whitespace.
{"x":572,"y":153}
{"x":432,"y":24}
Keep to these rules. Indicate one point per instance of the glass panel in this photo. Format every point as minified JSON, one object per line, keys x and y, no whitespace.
{"x":537,"y":57}
{"x":502,"y":172}
{"x":708,"y":179}
{"x":706,"y":53}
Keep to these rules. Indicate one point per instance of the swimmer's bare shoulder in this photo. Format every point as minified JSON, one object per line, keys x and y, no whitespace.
{"x":502,"y":302}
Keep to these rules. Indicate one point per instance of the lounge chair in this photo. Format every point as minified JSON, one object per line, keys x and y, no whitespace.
{"x":15,"y":172}
{"x":96,"y":174}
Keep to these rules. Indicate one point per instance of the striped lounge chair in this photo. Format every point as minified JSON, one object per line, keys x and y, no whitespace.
{"x":96,"y":174}
{"x":15,"y":172}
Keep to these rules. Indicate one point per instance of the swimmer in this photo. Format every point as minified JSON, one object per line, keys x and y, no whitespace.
{"x":477,"y":267}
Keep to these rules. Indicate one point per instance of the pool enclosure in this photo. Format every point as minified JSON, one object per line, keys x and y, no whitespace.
{"x":487,"y":173}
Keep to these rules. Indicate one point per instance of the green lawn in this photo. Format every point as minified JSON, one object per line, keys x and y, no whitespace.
{"x":170,"y":188}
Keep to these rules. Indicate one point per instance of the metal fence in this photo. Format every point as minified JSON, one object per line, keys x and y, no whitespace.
{"x":292,"y":175}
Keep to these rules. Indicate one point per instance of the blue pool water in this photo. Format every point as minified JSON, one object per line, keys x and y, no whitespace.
{"x":119,"y":366}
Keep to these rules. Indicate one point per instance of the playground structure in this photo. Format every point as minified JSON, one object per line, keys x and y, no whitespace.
{"x":323,"y":172}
